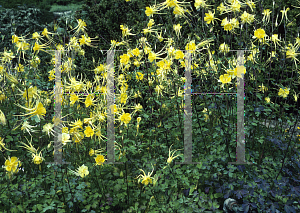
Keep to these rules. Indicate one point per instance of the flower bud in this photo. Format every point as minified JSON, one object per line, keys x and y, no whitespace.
{"x":2,"y":118}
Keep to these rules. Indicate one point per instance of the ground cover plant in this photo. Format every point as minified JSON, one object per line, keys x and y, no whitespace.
{"x":149,"y":106}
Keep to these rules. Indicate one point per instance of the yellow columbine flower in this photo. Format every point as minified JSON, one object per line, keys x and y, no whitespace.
{"x":284,"y":13}
{"x":262,"y":88}
{"x":99,"y":160}
{"x":150,"y":11}
{"x":209,"y":17}
{"x":89,"y":132}
{"x":77,"y":124}
{"x":201,"y":3}
{"x":36,"y":36}
{"x":11,"y":164}
{"x":125,"y":30}
{"x":80,"y":27}
{"x":48,"y":129}
{"x":81,"y":171}
{"x":7,"y":56}
{"x":177,"y":29}
{"x":37,"y":159}
{"x":259,"y":34}
{"x":235,"y":6}
{"x":38,"y":110}
{"x":268,"y":100}
{"x":226,"y":24}
{"x":125,"y":118}
{"x":275,"y":40}
{"x":146,"y":179}
{"x":73,"y":98}
{"x":291,"y":53}
{"x":3,"y":145}
{"x":222,"y":8}
{"x":224,"y":48}
{"x":139,"y":76}
{"x":89,"y":100}
{"x":251,"y":4}
{"x":296,"y":96}
{"x":85,"y":40}
{"x":38,"y":47}
{"x":266,"y":14}
{"x":284,"y":93}
{"x":2,"y":118}
{"x":224,"y":79}
{"x":171,"y":158}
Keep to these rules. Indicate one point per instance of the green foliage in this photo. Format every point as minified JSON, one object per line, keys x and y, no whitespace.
{"x":22,"y":21}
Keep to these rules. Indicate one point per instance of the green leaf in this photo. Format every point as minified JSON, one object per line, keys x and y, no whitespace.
{"x":20,"y":207}
{"x":39,"y":206}
{"x":217,"y":195}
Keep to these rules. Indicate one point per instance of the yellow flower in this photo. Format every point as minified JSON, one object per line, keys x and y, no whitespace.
{"x":123,"y":98}
{"x":138,"y":107}
{"x":224,"y":79}
{"x":89,"y":132}
{"x":266,"y":14}
{"x":250,"y":4}
{"x":284,"y":93}
{"x":146,"y":179}
{"x":209,"y":17}
{"x":7,"y":56}
{"x":259,"y":34}
{"x":235,"y":6}
{"x":38,"y":47}
{"x":125,"y":30}
{"x":221,"y":8}
{"x":77,"y":124}
{"x":238,"y":71}
{"x":284,"y":13}
{"x":139,"y":76}
{"x":150,"y":11}
{"x":3,"y":145}
{"x":275,"y":40}
{"x":191,"y":46}
{"x":37,"y":159}
{"x":85,"y":40}
{"x":262,"y":88}
{"x":20,"y":68}
{"x":201,"y":3}
{"x":65,"y":138}
{"x":296,"y":97}
{"x":81,"y":171}
{"x":73,"y":98}
{"x":99,"y":160}
{"x":226,"y":24}
{"x":15,"y":39}
{"x":291,"y":53}
{"x":224,"y":48}
{"x":171,"y":158}
{"x":38,"y":110}
{"x":89,"y":100}
{"x":48,"y":128}
{"x":80,"y":27}
{"x":136,"y":52}
{"x":11,"y":164}
{"x":177,"y":29}
{"x":124,"y":59}
{"x":125,"y":118}
{"x":2,"y":118}
{"x":247,"y":18}
{"x":158,"y":89}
